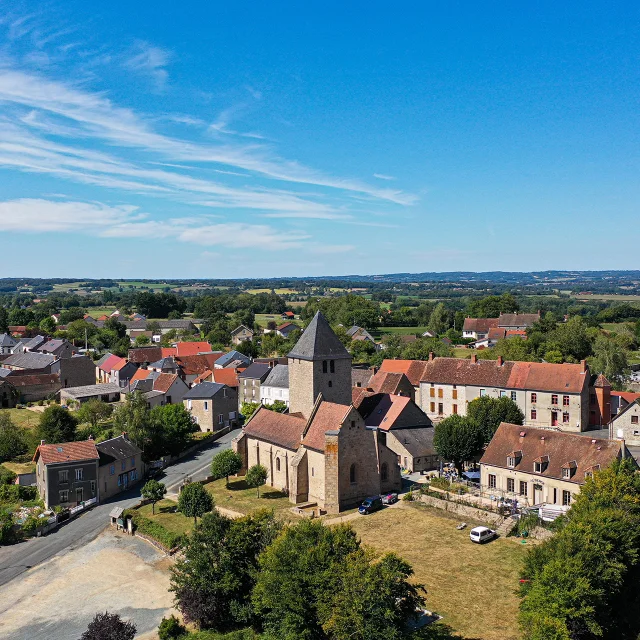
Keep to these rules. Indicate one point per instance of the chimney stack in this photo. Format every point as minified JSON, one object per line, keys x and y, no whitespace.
{"x":584,"y":366}
{"x":500,"y":361}
{"x":430,"y":356}
{"x":474,"y":358}
{"x":42,"y":442}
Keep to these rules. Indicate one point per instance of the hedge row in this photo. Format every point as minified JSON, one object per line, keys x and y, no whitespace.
{"x":15,"y":492}
{"x":154,"y":530}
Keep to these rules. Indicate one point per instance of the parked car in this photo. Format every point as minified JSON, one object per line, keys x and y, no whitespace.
{"x":389,"y":498}
{"x":370,"y":505}
{"x":481,"y":534}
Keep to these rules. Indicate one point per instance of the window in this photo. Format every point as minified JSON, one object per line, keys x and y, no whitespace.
{"x":592,"y":398}
{"x":634,"y":419}
{"x":79,"y":474}
{"x":555,"y":496}
{"x":432,"y":393}
{"x":454,"y":394}
{"x":492,"y":481}
{"x":332,"y":366}
{"x":565,"y":417}
{"x":439,"y":393}
{"x":534,"y":397}
{"x":221,"y":418}
{"x":63,"y":476}
{"x":133,"y":462}
{"x":206,"y":406}
{"x":313,"y":472}
{"x":534,"y":414}
{"x":353,"y":424}
{"x":64,"y":496}
{"x":554,"y":399}
{"x":352,"y":474}
{"x":565,"y":401}
{"x":92,"y":485}
{"x":455,"y":409}
{"x":483,"y":392}
{"x":384,"y":472}
{"x":511,"y":485}
{"x":330,"y":383}
{"x":324,"y":366}
{"x":566,"y":473}
{"x":112,"y":470}
{"x":511,"y":462}
{"x":123,"y":465}
{"x":566,"y":498}
{"x":440,"y":409}
{"x":503,"y":394}
{"x":513,"y":396}
{"x":189,"y":405}
{"x":432,"y":407}
{"x":277,"y":464}
{"x":523,"y":488}
{"x":537,"y":467}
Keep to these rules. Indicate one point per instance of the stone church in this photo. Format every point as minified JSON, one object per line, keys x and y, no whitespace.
{"x":321,"y":451}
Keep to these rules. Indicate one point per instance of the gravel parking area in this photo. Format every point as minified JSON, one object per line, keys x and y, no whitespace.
{"x":114,"y":572}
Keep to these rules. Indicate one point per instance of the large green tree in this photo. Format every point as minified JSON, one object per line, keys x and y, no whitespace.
{"x":488,"y":413}
{"x":13,"y":439}
{"x":458,"y":439}
{"x":256,"y":477}
{"x":94,"y":411}
{"x":133,"y":417}
{"x":611,"y":359}
{"x":194,"y":501}
{"x":56,"y":425}
{"x":153,"y":491}
{"x":225,"y":464}
{"x":172,"y":426}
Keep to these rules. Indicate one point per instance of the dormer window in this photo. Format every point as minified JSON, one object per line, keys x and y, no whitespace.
{"x":568,"y":469}
{"x":540,"y":464}
{"x":513,"y":459}
{"x":511,"y":462}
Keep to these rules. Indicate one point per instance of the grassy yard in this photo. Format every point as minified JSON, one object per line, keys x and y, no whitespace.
{"x":241,"y":498}
{"x":471,"y":586}
{"x":168,"y":517}
{"x":402,"y":331}
{"x":20,"y":467}
{"x":23,"y":417}
{"x":464,"y":353}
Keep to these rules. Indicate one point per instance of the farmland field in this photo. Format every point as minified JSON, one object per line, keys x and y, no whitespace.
{"x":617,"y":297}
{"x":22,"y":417}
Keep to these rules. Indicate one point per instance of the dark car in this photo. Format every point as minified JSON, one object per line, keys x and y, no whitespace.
{"x":389,"y":498}
{"x":370,"y":505}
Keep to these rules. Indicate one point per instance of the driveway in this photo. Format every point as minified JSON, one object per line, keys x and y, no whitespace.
{"x":18,"y":558}
{"x":114,"y":572}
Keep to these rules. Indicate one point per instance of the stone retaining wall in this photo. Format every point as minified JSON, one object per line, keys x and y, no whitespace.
{"x":464,"y":511}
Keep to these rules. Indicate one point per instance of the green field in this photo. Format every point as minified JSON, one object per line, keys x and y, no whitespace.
{"x":402,"y":331}
{"x":23,"y":417}
{"x":618,"y":297}
{"x":278,"y":291}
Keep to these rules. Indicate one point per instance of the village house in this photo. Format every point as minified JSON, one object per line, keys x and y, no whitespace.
{"x":412,"y":369}
{"x":109,"y":392}
{"x":120,"y":466}
{"x":479,"y":328}
{"x":276,"y":386}
{"x":286,"y":329}
{"x":249,"y":382}
{"x":214,"y":406}
{"x":159,"y":388}
{"x":7,"y":344}
{"x":543,"y":467}
{"x":58,"y":348}
{"x":288,"y":315}
{"x":626,"y":425}
{"x":360,"y":376}
{"x":111,"y":368}
{"x":66,"y":473}
{"x":233,"y":359}
{"x":241,"y":334}
{"x":320,"y":453}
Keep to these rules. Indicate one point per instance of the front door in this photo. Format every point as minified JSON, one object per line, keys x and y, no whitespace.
{"x":79,"y":495}
{"x":554,"y":418}
{"x":537,"y":494}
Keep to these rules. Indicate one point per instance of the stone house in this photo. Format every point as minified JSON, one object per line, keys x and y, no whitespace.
{"x":120,"y":466}
{"x":108,"y":392}
{"x":412,"y":369}
{"x":111,"y":368}
{"x":58,"y":348}
{"x":249,"y":382}
{"x":539,"y":466}
{"x":241,"y":334}
{"x":66,"y":473}
{"x":214,"y":406}
{"x":322,"y":451}
{"x":34,"y":387}
{"x":626,"y":425}
{"x":76,"y":371}
{"x":7,"y":344}
{"x":276,"y":386}
{"x":8,"y":394}
{"x":549,"y":395}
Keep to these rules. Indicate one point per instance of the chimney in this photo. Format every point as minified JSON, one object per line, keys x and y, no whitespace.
{"x":90,"y":437}
{"x":42,"y":442}
{"x":474,"y":358}
{"x":500,"y":361}
{"x":124,"y":435}
{"x":623,"y":450}
{"x":430,"y":356}
{"x":583,"y":363}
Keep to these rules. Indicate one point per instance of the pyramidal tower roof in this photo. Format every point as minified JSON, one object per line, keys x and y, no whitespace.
{"x":319,"y":342}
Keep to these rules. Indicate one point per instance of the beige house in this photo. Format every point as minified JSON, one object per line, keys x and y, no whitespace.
{"x":213,"y":406}
{"x":322,"y":451}
{"x":549,"y":395}
{"x":241,"y":334}
{"x":543,"y":467}
{"x":120,"y":466}
{"x":626,"y":424}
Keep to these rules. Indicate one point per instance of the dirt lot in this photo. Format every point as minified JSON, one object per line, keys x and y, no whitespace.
{"x":115,"y":572}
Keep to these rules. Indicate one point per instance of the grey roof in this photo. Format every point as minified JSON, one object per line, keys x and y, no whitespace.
{"x":230,"y":357}
{"x":29,"y":360}
{"x":34,"y":342}
{"x":239,"y":328}
{"x":163,"y":324}
{"x":203,"y":391}
{"x":279,"y":377}
{"x":256,"y":370}
{"x":7,"y":341}
{"x":104,"y":358}
{"x":418,"y":441}
{"x":90,"y":390}
{"x":319,"y":342}
{"x":4,"y":372}
{"x":152,"y":394}
{"x":119,"y":448}
{"x":51,"y":345}
{"x":144,"y":386}
{"x":163,"y":363}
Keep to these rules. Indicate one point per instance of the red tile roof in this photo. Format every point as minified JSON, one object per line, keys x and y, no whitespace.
{"x":67,"y":452}
{"x":521,"y":333}
{"x":387,"y":382}
{"x":198,"y":364}
{"x":167,"y":352}
{"x":628,"y":396}
{"x":226,"y":376}
{"x":164,"y":381}
{"x":140,"y":374}
{"x":479,"y":325}
{"x":413,"y":369}
{"x":560,"y":447}
{"x":328,"y":417}
{"x":277,"y":428}
{"x":33,"y":380}
{"x":191,"y":348}
{"x":204,"y":376}
{"x":387,"y":411}
{"x":496,"y":333}
{"x":108,"y":365}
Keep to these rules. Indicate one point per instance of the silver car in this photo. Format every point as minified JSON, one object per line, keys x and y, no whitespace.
{"x":481,"y":534}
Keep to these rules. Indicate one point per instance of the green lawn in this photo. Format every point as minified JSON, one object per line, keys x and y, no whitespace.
{"x":23,"y":417}
{"x":402,"y":331}
{"x":168,"y":517}
{"x":464,"y":353}
{"x":471,"y":586}
{"x":243,"y":499}
{"x":20,"y":467}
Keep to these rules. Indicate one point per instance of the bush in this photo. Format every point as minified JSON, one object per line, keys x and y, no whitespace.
{"x":441,"y":483}
{"x":6,"y":476}
{"x":154,"y":530}
{"x":408,"y":497}
{"x":170,"y":629}
{"x":15,"y":492}
{"x":7,"y":535}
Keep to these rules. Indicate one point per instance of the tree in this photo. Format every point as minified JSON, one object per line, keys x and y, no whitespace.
{"x":133,"y":418}
{"x":225,"y":464}
{"x":256,"y":477}
{"x":56,"y":425}
{"x":610,"y":359}
{"x":94,"y":411}
{"x":154,"y":491}
{"x":247,"y":409}
{"x":279,"y":406}
{"x":109,"y":626}
{"x":488,"y":413}
{"x":213,"y":580}
{"x":48,"y":325}
{"x":171,"y":429}
{"x":4,"y":320}
{"x":439,"y":319}
{"x":170,"y":628}
{"x":13,"y":439}
{"x":141,"y":341}
{"x":194,"y":501}
{"x":458,"y":439}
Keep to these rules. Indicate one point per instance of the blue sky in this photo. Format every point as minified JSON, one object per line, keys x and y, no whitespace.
{"x":211,"y":140}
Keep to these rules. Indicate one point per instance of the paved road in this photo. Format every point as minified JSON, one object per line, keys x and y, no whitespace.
{"x":18,"y":558}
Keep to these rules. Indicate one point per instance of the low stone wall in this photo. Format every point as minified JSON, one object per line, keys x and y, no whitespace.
{"x":464,"y":511}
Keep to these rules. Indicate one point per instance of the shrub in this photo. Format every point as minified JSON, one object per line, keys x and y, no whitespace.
{"x":30,"y":525}
{"x":6,"y":529}
{"x":6,"y":476}
{"x":408,"y":497}
{"x":15,"y":492}
{"x":153,"y":529}
{"x":171,"y":628}
{"x":441,"y":483}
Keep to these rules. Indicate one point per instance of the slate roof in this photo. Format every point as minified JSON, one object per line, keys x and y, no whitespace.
{"x":92,"y":390}
{"x":329,"y":416}
{"x":35,"y":342}
{"x":51,"y":345}
{"x":119,"y":448}
{"x":561,"y":448}
{"x":240,"y":328}
{"x":518,"y":319}
{"x":279,"y":377}
{"x":29,"y":360}
{"x":67,"y":452}
{"x":164,"y":363}
{"x":203,"y":391}
{"x":319,"y":342}
{"x":281,"y":429}
{"x":7,"y":341}
{"x":231,"y":356}
{"x":418,"y":441}
{"x":256,"y":370}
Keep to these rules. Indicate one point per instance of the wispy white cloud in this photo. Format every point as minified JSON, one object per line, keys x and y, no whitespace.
{"x":382,"y":176}
{"x":149,"y":60}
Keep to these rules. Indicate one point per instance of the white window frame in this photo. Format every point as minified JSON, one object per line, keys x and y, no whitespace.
{"x":221,"y":418}
{"x":79,"y":474}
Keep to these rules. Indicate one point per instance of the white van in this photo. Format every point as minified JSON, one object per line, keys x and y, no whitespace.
{"x":481,"y":534}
